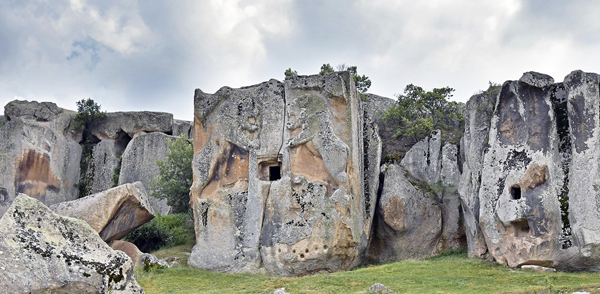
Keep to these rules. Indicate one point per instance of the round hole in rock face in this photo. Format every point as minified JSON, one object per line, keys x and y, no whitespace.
{"x":279,"y":250}
{"x":294,"y":251}
{"x":325,"y":247}
{"x":301,"y":255}
{"x":306,"y":250}
{"x":515,"y":192}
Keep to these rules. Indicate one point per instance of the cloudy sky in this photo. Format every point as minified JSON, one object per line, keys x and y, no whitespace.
{"x":151,"y":54}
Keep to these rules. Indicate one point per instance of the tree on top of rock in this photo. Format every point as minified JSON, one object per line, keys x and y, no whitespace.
{"x":88,"y":111}
{"x":417,"y":113}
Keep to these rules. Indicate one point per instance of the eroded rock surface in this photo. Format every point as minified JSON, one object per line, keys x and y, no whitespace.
{"x":139,"y":164}
{"x":409,"y":220}
{"x":521,"y":220}
{"x":131,"y":123}
{"x":37,"y":156}
{"x":278,"y":177}
{"x":41,"y":251}
{"x":112,"y":213}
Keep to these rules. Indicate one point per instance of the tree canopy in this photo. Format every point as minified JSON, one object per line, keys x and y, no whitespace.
{"x":87,"y":112}
{"x":417,"y":113}
{"x":289,"y":72}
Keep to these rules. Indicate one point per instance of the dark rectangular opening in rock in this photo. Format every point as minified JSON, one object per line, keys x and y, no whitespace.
{"x":274,"y":172}
{"x":515,"y":192}
{"x":521,"y":227}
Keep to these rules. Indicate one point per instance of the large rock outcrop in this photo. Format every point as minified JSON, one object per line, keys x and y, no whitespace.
{"x":278,"y":177}
{"x":112,"y":213}
{"x":139,"y":164}
{"x":42,"y":252}
{"x":534,"y":177}
{"x":37,"y":155}
{"x":522,"y":175}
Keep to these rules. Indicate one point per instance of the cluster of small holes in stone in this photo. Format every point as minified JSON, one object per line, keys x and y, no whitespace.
{"x":305,"y":251}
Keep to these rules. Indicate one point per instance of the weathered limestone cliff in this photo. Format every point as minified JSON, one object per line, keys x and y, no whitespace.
{"x":279,"y":181}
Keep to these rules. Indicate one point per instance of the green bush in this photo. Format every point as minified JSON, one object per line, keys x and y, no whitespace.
{"x":417,"y":113}
{"x":163,"y":231}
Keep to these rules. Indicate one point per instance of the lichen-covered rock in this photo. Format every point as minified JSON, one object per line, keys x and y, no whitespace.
{"x":113,"y":124}
{"x":478,"y":113}
{"x":278,"y":177}
{"x":584,"y":172}
{"x":409,"y":220}
{"x":522,"y":176}
{"x":36,"y":158}
{"x":139,"y":164}
{"x":41,"y":252}
{"x":422,"y":161}
{"x":112,"y":213}
{"x":183,"y":127}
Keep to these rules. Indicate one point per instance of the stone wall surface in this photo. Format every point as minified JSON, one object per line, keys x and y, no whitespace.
{"x":139,"y":163}
{"x":278,"y":177}
{"x":37,"y":156}
{"x":42,"y":252}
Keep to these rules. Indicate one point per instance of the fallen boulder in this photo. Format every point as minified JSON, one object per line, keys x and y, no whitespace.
{"x":41,"y":252}
{"x":112,"y":213}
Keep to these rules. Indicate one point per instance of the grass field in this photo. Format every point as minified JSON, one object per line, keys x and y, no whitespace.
{"x":453,"y":273}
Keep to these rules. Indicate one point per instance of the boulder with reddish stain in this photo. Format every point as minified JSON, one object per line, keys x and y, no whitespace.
{"x":112,"y":213}
{"x":37,"y":155}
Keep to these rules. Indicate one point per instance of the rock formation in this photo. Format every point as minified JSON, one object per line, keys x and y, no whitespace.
{"x":409,"y":220}
{"x":41,"y":252}
{"x":43,"y":156}
{"x":139,"y":163}
{"x":528,"y":186}
{"x":279,"y":177}
{"x":112,"y":213}
{"x":418,"y":214}
{"x":37,"y":156}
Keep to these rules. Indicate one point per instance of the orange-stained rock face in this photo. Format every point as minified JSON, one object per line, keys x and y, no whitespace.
{"x":278,"y":184}
{"x":34,"y":176}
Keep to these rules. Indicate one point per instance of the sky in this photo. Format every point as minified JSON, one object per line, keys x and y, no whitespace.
{"x":151,"y":55}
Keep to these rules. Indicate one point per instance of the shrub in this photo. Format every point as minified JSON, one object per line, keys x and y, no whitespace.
{"x":163,"y":231}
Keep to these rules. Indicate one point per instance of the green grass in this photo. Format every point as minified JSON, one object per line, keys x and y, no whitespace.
{"x":446,"y":274}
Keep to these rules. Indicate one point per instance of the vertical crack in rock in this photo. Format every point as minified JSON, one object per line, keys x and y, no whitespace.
{"x":559,"y":103}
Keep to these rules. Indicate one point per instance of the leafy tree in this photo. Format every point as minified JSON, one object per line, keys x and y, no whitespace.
{"x":326,"y":68}
{"x":88,"y":111}
{"x":363,"y":83}
{"x":175,"y":175}
{"x":418,"y":112}
{"x":290,"y":73}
